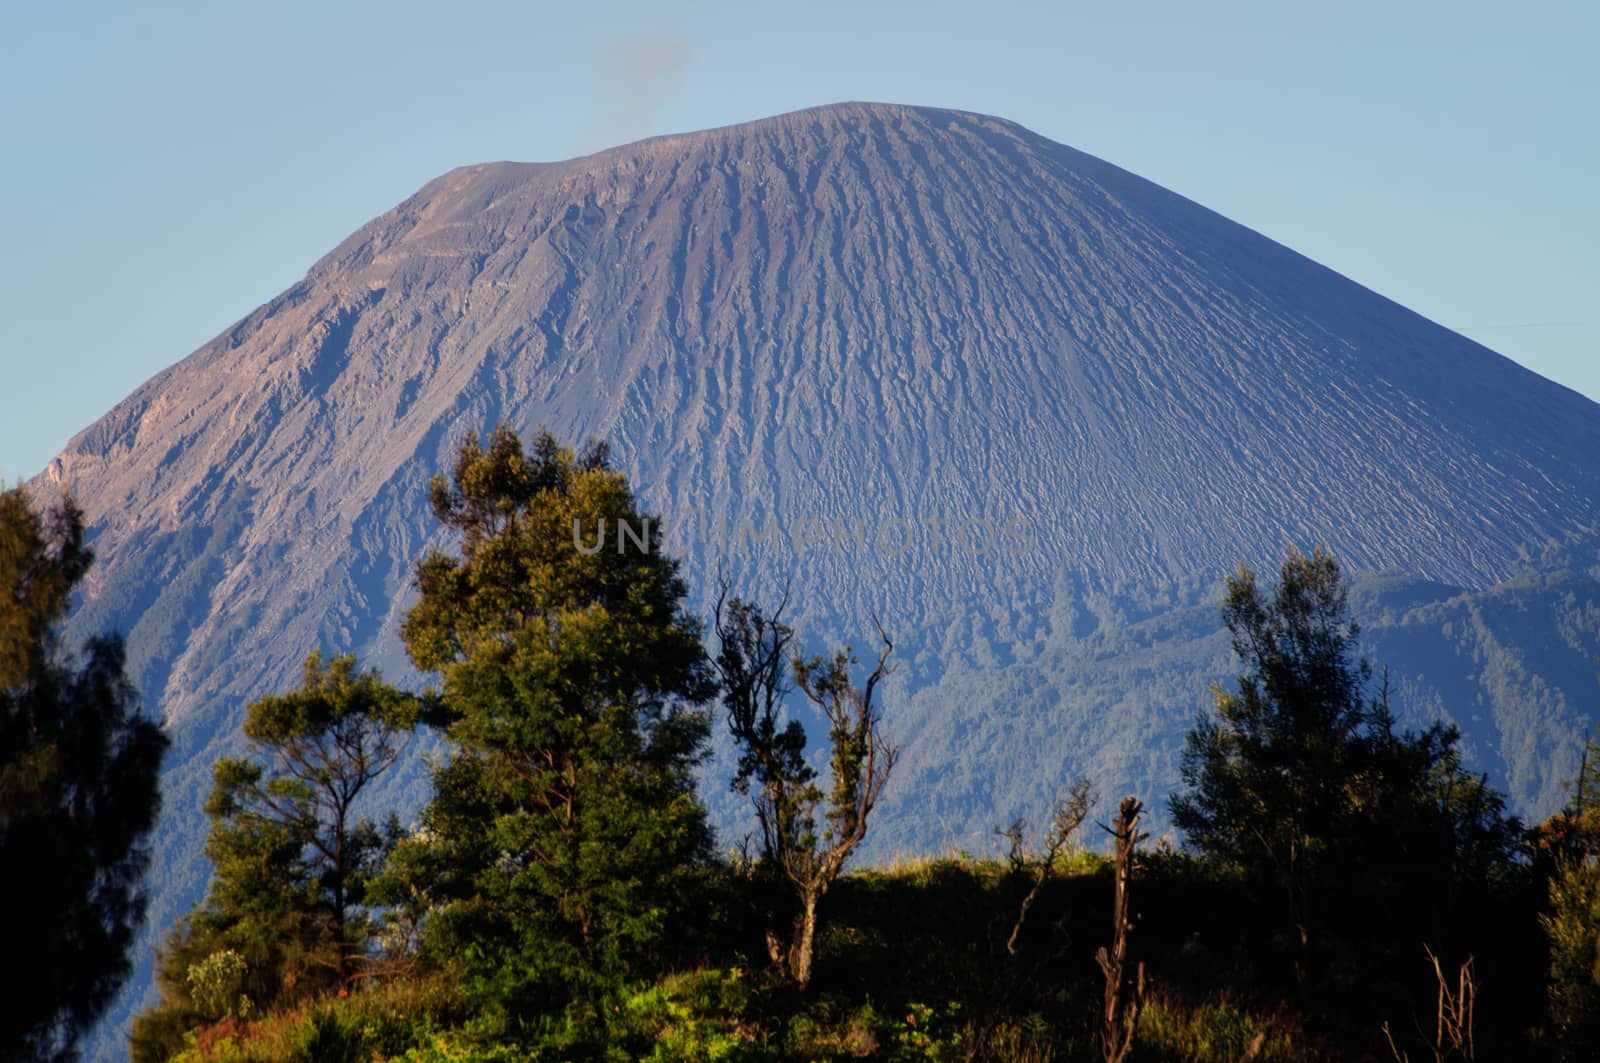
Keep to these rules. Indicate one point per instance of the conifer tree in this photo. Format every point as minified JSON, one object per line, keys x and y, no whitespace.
{"x":564,"y":827}
{"x":1301,"y":780}
{"x":317,"y":749}
{"x":78,"y":791}
{"x":287,"y":913}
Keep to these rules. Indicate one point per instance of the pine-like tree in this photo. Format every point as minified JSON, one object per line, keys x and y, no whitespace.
{"x":78,"y":791}
{"x":287,"y":913}
{"x":1301,"y":780}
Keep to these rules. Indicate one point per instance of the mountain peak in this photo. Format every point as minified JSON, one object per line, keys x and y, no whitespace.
{"x":930,"y":365}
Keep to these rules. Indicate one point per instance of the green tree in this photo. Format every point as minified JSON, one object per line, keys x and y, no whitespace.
{"x":288,"y":906}
{"x":1265,"y":776}
{"x":1301,"y":780}
{"x":78,"y":791}
{"x":1572,"y":927}
{"x":1571,"y":923}
{"x":317,"y":750}
{"x":564,"y":831}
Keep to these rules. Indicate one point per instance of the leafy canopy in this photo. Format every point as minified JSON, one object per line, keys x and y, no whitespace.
{"x":565,"y":825}
{"x":288,"y":912}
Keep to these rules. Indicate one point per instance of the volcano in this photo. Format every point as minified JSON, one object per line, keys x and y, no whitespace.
{"x":1024,"y":406}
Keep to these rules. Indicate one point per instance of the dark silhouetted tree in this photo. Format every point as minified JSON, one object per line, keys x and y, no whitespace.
{"x":78,"y":791}
{"x":1301,"y":780}
{"x":754,"y":660}
{"x":1124,"y":979}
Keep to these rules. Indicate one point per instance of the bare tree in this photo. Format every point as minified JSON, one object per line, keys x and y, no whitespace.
{"x":1124,"y":996}
{"x":753,"y":659}
{"x":1067,"y":816}
{"x":861,"y":761}
{"x":1016,"y":967}
{"x":1454,"y":1016}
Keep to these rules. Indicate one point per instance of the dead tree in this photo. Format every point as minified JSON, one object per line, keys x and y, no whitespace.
{"x":860,"y":762}
{"x":1453,"y":1022}
{"x":755,"y":663}
{"x":1066,"y":818}
{"x":1453,"y":1018}
{"x":1124,"y":995}
{"x":1015,"y":966}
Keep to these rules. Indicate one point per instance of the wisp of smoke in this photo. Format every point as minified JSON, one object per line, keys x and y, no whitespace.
{"x":646,"y":69}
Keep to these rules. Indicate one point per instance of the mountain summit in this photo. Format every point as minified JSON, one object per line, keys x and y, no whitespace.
{"x":1016,"y":400}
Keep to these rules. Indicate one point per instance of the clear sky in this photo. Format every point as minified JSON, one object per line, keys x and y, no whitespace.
{"x":165,"y":167}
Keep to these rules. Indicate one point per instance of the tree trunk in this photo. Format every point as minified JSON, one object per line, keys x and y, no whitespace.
{"x":805,"y":931}
{"x":1119,"y":1017}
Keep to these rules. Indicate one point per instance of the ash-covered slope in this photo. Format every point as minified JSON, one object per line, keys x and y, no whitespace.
{"x":924,"y":361}
{"x":864,"y":319}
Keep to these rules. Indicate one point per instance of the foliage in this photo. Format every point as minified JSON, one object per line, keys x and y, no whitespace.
{"x":215,"y":983}
{"x":1352,"y":831}
{"x":564,"y":831}
{"x":288,"y":902}
{"x":1572,"y":926}
{"x":78,"y":790}
{"x":324,"y":745}
{"x":1572,"y":922}
{"x":1266,"y":778}
{"x":557,"y":899}
{"x":690,"y":1017}
{"x":377,"y":1019}
{"x":1221,"y":1030}
{"x":900,"y":967}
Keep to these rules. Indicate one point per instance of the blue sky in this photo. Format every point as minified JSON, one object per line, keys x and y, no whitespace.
{"x":167,"y":167}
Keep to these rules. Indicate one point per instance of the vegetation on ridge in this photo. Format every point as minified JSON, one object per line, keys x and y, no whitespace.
{"x":1348,"y":891}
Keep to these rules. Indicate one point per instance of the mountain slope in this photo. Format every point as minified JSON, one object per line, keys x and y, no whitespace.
{"x":859,"y":315}
{"x":927,"y":362}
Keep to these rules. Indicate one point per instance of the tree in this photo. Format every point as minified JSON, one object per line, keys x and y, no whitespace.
{"x":1124,"y":991}
{"x":1572,"y":927}
{"x":752,"y":659}
{"x":1302,"y":781}
{"x":860,"y":761}
{"x":1265,"y":776}
{"x":317,"y":750}
{"x":1571,"y":922}
{"x":564,"y":830}
{"x":1033,"y":870}
{"x":78,"y":790}
{"x":286,"y":914}
{"x":754,"y":662}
